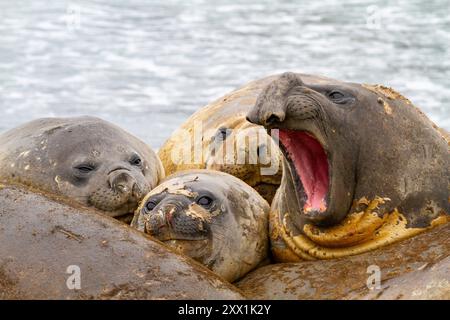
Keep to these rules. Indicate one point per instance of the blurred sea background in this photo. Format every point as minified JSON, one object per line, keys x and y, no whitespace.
{"x":148,"y":65}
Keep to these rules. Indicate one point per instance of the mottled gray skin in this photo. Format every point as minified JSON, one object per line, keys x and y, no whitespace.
{"x":377,"y":145}
{"x":41,"y":237}
{"x":210,"y":216}
{"x":417,"y":268}
{"x":86,"y":159}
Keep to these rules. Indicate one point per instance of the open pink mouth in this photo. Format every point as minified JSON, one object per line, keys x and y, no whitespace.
{"x":311,"y":166}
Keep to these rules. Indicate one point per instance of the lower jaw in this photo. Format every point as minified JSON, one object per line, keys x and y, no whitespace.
{"x":359,"y":232}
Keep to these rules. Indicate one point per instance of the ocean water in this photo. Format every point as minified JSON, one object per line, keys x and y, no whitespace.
{"x":148,"y":65}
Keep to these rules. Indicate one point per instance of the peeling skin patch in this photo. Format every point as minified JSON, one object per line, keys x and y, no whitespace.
{"x":197,"y":212}
{"x":181,"y":190}
{"x":59,"y":182}
{"x":386,"y":106}
{"x":359,"y":232}
{"x":357,"y":227}
{"x":386,"y":91}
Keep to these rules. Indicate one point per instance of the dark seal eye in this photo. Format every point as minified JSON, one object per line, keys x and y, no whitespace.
{"x":149,"y":206}
{"x":136,"y":161}
{"x":204,"y":201}
{"x":336,"y":95}
{"x":339,"y":97}
{"x":222,"y":134}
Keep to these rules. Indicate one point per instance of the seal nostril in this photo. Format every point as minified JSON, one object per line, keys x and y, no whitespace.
{"x":155,"y":224}
{"x":273,"y":118}
{"x":122,"y":181}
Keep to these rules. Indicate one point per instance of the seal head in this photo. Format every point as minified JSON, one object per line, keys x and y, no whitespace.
{"x":85,"y":159}
{"x":210,"y":216}
{"x":355,"y":157}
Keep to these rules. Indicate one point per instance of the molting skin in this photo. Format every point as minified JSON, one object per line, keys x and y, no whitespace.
{"x":363,"y":167}
{"x":416,"y":268}
{"x":85,"y":159}
{"x":210,"y":216}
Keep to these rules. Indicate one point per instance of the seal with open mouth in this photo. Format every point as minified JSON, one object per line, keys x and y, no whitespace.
{"x":363,"y":167}
{"x":210,"y":216}
{"x":86,"y":159}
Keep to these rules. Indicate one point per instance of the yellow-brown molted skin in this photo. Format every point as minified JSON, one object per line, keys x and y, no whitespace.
{"x":358,"y":233}
{"x":392,"y":94}
{"x":416,"y":268}
{"x":388,"y":92}
{"x":227,"y":112}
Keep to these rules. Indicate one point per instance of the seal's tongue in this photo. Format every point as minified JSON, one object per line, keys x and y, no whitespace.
{"x":311,"y":166}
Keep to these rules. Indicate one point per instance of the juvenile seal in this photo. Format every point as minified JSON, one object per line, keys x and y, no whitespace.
{"x":86,"y":159}
{"x":363,"y":167}
{"x":210,"y":216}
{"x":218,"y":137}
{"x":50,"y":249}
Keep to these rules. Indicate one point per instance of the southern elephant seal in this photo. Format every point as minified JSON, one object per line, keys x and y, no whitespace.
{"x":218,"y":137}
{"x":363,"y":167}
{"x":417,"y":268}
{"x":52,"y":250}
{"x":86,"y":159}
{"x":210,"y":216}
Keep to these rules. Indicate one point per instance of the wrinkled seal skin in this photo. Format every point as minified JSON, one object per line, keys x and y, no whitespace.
{"x":38,"y":242}
{"x":210,"y":216}
{"x":417,"y":268}
{"x":223,"y":122}
{"x":86,"y":159}
{"x":385,"y":165}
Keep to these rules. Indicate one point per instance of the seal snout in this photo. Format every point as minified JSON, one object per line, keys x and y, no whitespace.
{"x":175,"y":221}
{"x":267,"y":115}
{"x":121,"y":193}
{"x":270,"y":107}
{"x":122,"y":182}
{"x":158,"y":223}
